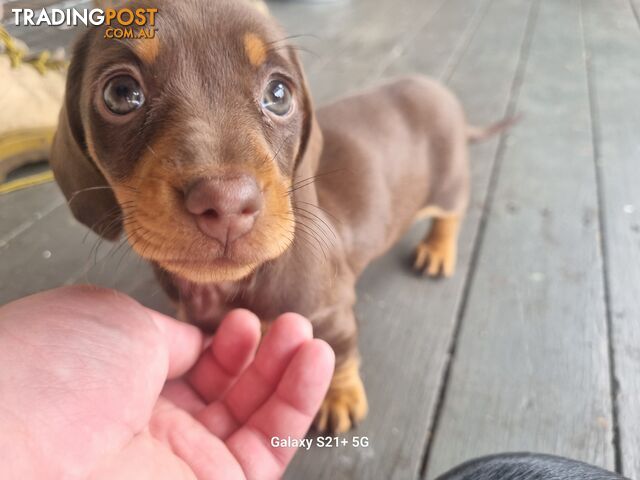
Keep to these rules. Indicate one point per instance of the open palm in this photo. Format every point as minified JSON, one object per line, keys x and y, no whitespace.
{"x":94,"y":385}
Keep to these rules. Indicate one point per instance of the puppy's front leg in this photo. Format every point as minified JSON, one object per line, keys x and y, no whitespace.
{"x":438,"y":251}
{"x":346,"y":401}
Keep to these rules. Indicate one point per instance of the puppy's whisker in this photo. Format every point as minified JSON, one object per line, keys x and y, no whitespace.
{"x":333,"y":217}
{"x":301,"y":228}
{"x":115,"y":214}
{"x":289,"y":234}
{"x":270,"y":159}
{"x":305,"y":182}
{"x":295,"y":35}
{"x":125,"y":252}
{"x":318,"y":175}
{"x":151,"y":150}
{"x":112,"y":214}
{"x":311,"y":182}
{"x":312,"y":248}
{"x":312,"y":234}
{"x":294,"y":47}
{"x":127,"y":222}
{"x":321,"y":238}
{"x":124,"y":241}
{"x":88,"y":189}
{"x":285,"y":42}
{"x":308,"y":212}
{"x":322,"y":234}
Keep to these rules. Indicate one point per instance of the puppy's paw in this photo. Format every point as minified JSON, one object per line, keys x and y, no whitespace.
{"x":435,"y":257}
{"x":346,"y":402}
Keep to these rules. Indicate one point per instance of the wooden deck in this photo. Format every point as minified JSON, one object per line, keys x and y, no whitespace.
{"x":535,"y":343}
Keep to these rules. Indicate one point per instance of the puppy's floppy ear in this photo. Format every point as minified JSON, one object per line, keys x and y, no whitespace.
{"x":88,"y":193}
{"x":311,"y":140}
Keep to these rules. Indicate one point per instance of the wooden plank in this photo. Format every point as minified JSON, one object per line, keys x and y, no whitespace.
{"x":364,"y":35}
{"x":613,"y":43}
{"x":407,"y":322}
{"x":22,"y":209}
{"x":57,"y":250}
{"x":121,"y":268}
{"x":54,"y":249}
{"x":635,"y":6}
{"x":531,"y":369}
{"x":449,"y":33}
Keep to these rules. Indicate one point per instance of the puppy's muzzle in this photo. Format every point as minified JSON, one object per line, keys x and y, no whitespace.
{"x":225,"y":208}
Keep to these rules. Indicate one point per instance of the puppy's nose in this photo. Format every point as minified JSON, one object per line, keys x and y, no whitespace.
{"x":225,"y":207}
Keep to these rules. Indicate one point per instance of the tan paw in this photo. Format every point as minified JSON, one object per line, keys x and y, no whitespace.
{"x":346,"y":402}
{"x":434,"y":258}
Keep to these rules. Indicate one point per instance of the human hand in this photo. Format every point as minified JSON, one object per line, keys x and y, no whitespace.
{"x":84,"y":390}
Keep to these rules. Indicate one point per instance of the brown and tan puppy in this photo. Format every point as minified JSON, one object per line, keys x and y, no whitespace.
{"x":203,"y":146}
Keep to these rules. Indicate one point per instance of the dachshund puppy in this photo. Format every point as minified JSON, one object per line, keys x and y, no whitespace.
{"x":527,"y":466}
{"x":203,"y":145}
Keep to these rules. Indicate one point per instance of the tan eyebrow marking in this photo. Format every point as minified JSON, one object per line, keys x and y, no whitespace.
{"x":147,"y":49}
{"x":255,"y":49}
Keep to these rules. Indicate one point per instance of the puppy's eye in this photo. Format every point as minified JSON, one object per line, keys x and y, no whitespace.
{"x":277,"y":98}
{"x":123,"y":95}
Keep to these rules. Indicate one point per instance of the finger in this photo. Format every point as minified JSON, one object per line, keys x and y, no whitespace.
{"x":287,"y":413}
{"x":232,"y":349}
{"x":182,"y":395}
{"x":184,"y":342}
{"x":288,"y":333}
{"x":206,"y":455}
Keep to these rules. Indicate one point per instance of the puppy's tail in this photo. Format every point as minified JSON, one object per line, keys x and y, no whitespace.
{"x":478,"y":134}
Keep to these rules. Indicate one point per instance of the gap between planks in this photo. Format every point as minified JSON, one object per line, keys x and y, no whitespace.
{"x":603,"y":243}
{"x":477,"y":245}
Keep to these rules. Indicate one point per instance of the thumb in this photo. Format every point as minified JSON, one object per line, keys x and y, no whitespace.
{"x":184,"y":342}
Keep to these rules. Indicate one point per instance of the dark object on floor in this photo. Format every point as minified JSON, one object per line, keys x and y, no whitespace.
{"x":527,"y":466}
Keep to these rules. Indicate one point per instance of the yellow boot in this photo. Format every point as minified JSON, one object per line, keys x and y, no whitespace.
{"x":31,"y":93}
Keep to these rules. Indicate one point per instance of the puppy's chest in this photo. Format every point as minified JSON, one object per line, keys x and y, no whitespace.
{"x":285,"y":286}
{"x":205,"y":305}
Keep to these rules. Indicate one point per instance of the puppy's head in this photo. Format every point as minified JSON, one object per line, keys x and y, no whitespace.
{"x":190,"y":140}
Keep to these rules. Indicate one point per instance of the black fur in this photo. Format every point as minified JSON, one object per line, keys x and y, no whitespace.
{"x":527,"y":466}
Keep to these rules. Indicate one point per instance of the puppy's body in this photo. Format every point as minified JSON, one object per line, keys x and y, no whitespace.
{"x":237,"y":200}
{"x":388,"y":154}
